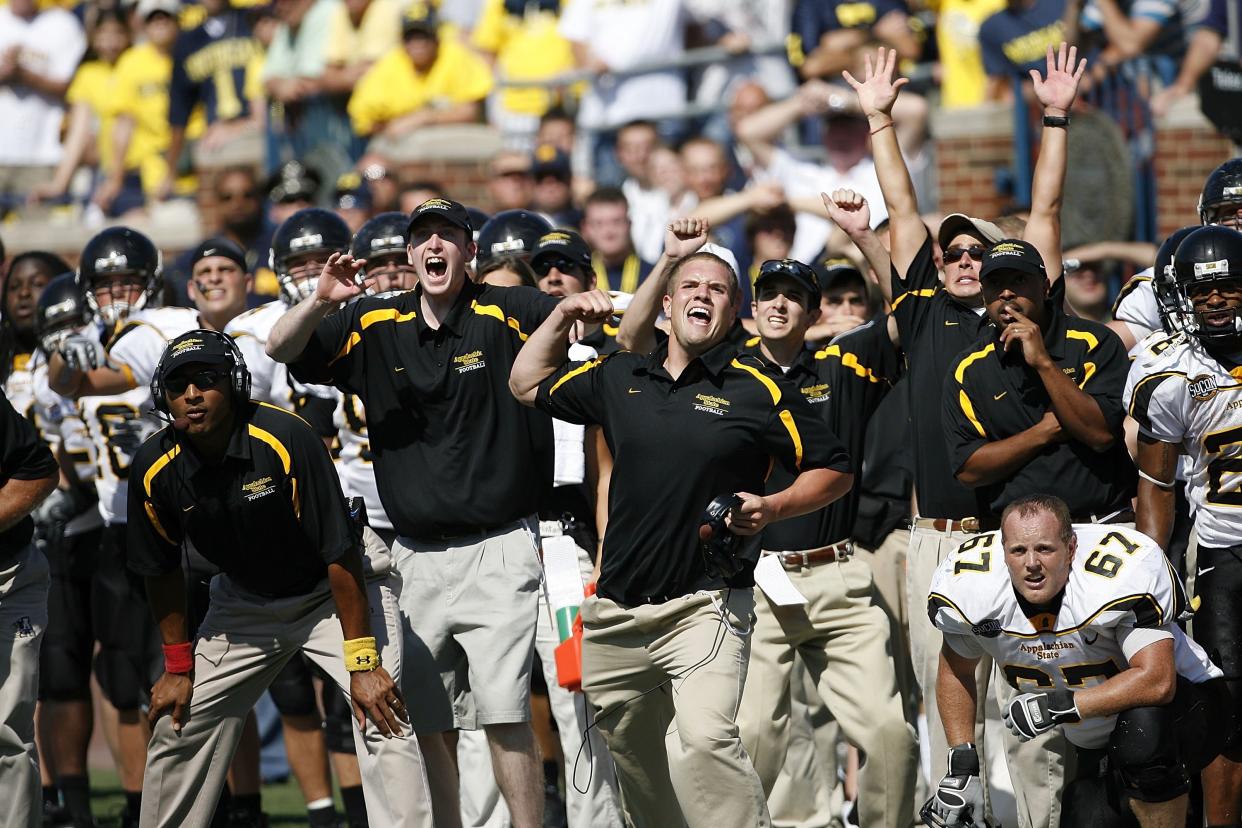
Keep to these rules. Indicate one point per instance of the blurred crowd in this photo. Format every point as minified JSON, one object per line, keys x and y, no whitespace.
{"x":616,"y":116}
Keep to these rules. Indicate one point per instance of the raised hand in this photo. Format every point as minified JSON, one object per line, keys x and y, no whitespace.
{"x":338,"y":281}
{"x":591,"y":306}
{"x":877,"y":92}
{"x":1057,"y":89}
{"x":848,"y":210}
{"x":685,"y":236}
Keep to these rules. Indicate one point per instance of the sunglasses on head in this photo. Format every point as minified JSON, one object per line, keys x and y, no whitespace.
{"x":202,"y":380}
{"x":561,"y":263}
{"x":789,"y":267}
{"x":975,"y":251}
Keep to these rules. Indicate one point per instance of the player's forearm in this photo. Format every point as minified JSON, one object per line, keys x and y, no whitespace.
{"x":350,"y":595}
{"x":810,"y":491}
{"x":1076,"y":410}
{"x":1149,"y":681}
{"x":166,"y":594}
{"x":1043,"y":228}
{"x":545,"y":351}
{"x":1000,"y":459}
{"x":18,"y":498}
{"x":292,"y":332}
{"x":61,"y":378}
{"x":956,"y":696}
{"x":1157,"y":463}
{"x":637,"y":329}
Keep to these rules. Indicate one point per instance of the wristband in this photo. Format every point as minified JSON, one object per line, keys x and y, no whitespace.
{"x":1056,"y":120}
{"x":179,"y":658}
{"x":361,"y":655}
{"x":881,"y":128}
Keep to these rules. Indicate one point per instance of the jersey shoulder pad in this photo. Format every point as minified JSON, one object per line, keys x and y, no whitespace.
{"x":171,"y":322}
{"x":1158,"y":385}
{"x":1138,"y":290}
{"x":257,"y":322}
{"x":1122,"y":577}
{"x":969,"y":588}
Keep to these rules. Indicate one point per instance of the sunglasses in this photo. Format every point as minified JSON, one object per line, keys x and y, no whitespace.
{"x":202,"y":380}
{"x":562,"y":264}
{"x":975,"y":251}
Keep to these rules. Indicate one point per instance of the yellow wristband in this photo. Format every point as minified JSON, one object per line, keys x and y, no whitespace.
{"x":361,"y":655}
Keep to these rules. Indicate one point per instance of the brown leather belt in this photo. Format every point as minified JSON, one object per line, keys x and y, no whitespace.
{"x":974,"y":525}
{"x":810,"y":557}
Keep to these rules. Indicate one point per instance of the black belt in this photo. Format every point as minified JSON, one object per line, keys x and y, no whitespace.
{"x":460,"y":534}
{"x":635,"y":600}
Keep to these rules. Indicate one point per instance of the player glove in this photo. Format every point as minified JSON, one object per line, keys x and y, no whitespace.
{"x":958,"y":801}
{"x":80,"y":353}
{"x":1031,"y":714}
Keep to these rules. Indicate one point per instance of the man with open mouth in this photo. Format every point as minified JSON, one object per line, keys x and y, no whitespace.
{"x":1083,"y":619}
{"x":667,"y":637}
{"x":461,"y":470}
{"x":1185,"y":392}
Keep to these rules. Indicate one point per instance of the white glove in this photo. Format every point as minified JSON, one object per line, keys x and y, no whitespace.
{"x":1031,"y":714}
{"x":80,"y":353}
{"x":958,"y":801}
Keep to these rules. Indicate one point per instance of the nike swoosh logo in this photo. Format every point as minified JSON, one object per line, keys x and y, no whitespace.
{"x":397,"y":370}
{"x":188,"y":508}
{"x":1200,"y":572}
{"x":636,"y":391}
{"x":1091,"y":640}
{"x":948,"y":324}
{"x":1001,"y":394}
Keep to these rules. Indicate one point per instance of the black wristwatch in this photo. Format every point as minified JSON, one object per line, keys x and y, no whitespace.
{"x":1056,"y":121}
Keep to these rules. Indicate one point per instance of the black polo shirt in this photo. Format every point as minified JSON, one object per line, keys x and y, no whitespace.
{"x":676,"y":444}
{"x":454,"y":451}
{"x":934,"y":327}
{"x":843,"y":383}
{"x":23,"y":456}
{"x":991,"y":395}
{"x":270,"y":514}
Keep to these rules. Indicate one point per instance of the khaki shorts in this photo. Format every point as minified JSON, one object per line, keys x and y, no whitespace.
{"x":471,"y":603}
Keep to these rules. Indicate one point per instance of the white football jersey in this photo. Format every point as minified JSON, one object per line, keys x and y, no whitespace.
{"x":1187,"y":397}
{"x":1136,"y":305}
{"x":143,"y":337}
{"x":1120,"y":582}
{"x":19,"y":390}
{"x":354,"y":463}
{"x":269,"y":380}
{"x":61,"y":425}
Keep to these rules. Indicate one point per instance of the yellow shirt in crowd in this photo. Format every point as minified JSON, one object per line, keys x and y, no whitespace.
{"x":527,"y":47}
{"x":392,"y":87}
{"x":377,"y":33}
{"x":94,"y":84}
{"x":963,"y":83}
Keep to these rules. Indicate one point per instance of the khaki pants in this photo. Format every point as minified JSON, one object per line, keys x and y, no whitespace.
{"x":587,"y":767}
{"x":808,"y":793}
{"x":888,"y":568}
{"x":843,"y":638}
{"x":1037,"y":768}
{"x":679,"y":663}
{"x":24,"y":581}
{"x":244,"y":642}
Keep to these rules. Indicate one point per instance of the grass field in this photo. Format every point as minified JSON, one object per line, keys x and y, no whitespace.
{"x":283,"y":803}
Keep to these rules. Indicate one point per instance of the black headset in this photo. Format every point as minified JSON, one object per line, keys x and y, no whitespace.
{"x":239,"y":375}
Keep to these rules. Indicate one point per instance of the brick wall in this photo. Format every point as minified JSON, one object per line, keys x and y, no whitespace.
{"x":970,"y":146}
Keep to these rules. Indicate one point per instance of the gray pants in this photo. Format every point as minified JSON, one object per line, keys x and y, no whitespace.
{"x":24,"y":583}
{"x":244,"y":642}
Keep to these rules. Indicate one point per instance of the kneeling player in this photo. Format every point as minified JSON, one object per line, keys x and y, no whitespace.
{"x":1081,"y":618}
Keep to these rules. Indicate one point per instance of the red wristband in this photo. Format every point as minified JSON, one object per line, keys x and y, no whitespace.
{"x":179,"y":658}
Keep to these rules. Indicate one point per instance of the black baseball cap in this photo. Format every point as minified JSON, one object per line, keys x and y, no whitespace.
{"x":444,"y":208}
{"x":794,"y":269}
{"x":194,"y":348}
{"x":1010,"y":255}
{"x":565,"y":243}
{"x":550,"y":161}
{"x":838,"y":272}
{"x":420,"y":18}
{"x":220,"y":246}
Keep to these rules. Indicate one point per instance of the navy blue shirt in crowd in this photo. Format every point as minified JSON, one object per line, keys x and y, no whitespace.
{"x":1014,"y":42}
{"x":209,"y":68}
{"x":812,"y":18}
